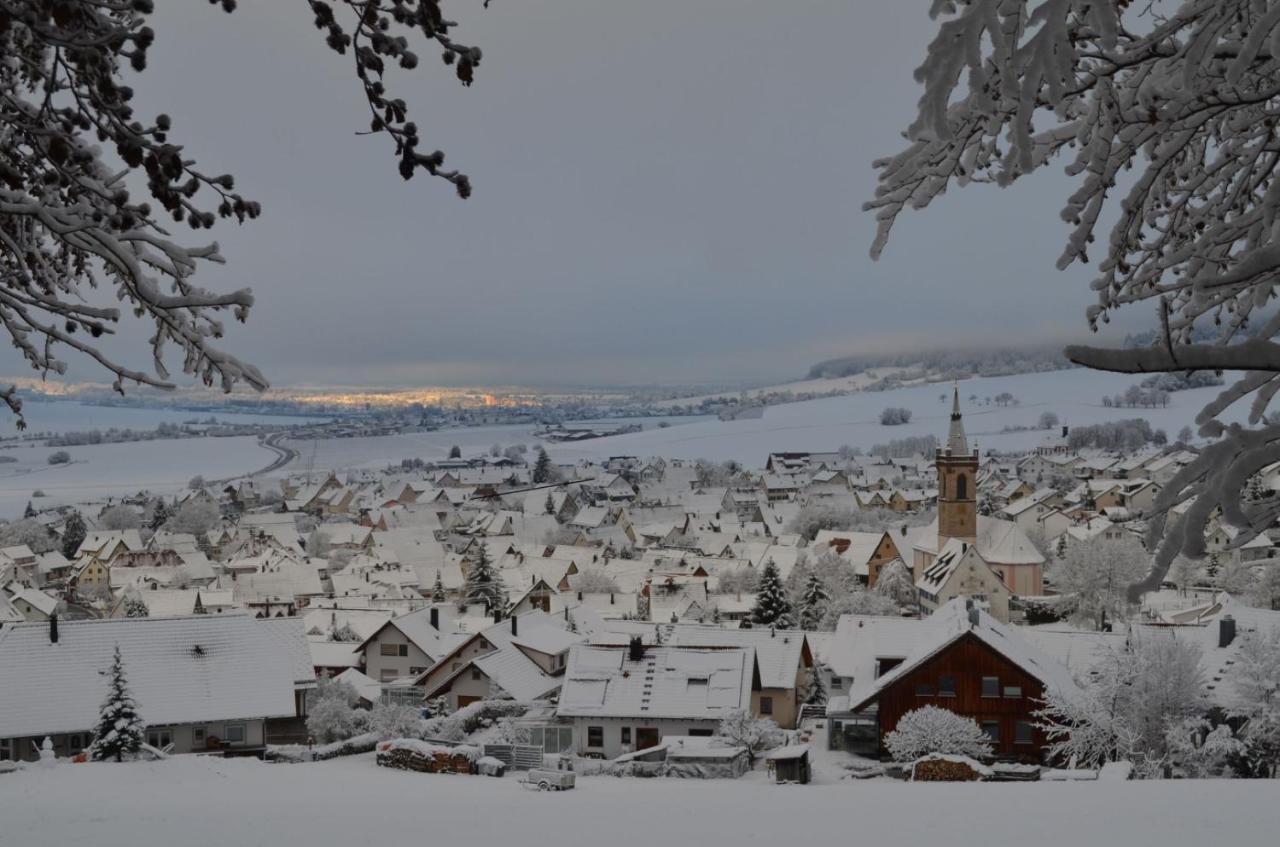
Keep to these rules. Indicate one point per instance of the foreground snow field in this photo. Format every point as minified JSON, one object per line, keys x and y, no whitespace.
{"x":195,"y":802}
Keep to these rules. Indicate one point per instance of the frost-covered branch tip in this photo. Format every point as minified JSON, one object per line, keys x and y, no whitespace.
{"x":1165,"y":115}
{"x":73,"y":238}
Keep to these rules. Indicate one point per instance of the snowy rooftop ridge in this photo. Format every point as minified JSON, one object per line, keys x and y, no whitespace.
{"x":180,"y":670}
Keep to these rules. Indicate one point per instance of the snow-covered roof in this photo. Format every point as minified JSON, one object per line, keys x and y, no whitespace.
{"x":1000,"y":542}
{"x":333,"y":654}
{"x":201,"y":668}
{"x":668,"y":682}
{"x":779,"y":653}
{"x":951,"y":622}
{"x":369,"y":689}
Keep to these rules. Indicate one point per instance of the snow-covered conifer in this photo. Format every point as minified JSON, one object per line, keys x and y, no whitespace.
{"x":813,"y":602}
{"x":772,"y":607}
{"x":483,"y":584}
{"x":120,"y":731}
{"x":542,"y":471}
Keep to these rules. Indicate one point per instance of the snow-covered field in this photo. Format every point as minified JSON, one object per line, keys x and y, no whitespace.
{"x":103,"y":470}
{"x":826,"y":424}
{"x":203,"y":802}
{"x":382,"y":450}
{"x":68,"y":416}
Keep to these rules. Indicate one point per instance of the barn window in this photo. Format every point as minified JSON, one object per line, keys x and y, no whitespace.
{"x":1013,"y":691}
{"x":990,"y":686}
{"x":992,"y":729}
{"x":595,"y":736}
{"x":946,"y":686}
{"x":1023,"y":732}
{"x":924,"y":689}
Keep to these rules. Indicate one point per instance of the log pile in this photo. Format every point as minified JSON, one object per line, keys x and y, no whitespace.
{"x":424,"y":758}
{"x":948,"y":769}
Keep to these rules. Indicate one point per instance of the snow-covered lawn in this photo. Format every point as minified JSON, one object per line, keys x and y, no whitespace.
{"x":194,"y":802}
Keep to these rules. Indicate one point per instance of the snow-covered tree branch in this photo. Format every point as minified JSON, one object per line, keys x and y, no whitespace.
{"x":1165,"y":115}
{"x":74,"y":236}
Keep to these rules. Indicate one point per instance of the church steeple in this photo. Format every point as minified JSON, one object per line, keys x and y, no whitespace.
{"x":957,"y":483}
{"x":957,"y":444}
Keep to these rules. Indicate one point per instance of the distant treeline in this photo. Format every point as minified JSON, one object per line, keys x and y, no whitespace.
{"x":999,"y":361}
{"x":1126,"y":435}
{"x":904,"y":448}
{"x":114,"y":436}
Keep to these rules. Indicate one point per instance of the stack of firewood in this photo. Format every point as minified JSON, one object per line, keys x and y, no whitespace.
{"x":946,"y":770}
{"x":440,"y":760}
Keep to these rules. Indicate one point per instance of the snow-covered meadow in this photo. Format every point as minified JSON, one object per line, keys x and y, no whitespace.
{"x":205,"y":802}
{"x":826,"y":424}
{"x":104,"y":470}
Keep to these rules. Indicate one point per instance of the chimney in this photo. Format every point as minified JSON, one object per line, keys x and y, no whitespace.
{"x":1226,"y":630}
{"x":635,"y":649}
{"x":579,"y":596}
{"x":1064,"y":430}
{"x":973,"y":616}
{"x":435,"y":618}
{"x":515,"y":625}
{"x":610,"y":598}
{"x":53,"y":628}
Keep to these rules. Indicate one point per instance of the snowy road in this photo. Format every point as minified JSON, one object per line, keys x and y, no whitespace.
{"x":201,"y":802}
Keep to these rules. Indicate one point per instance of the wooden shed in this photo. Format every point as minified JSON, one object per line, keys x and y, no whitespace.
{"x":789,"y":764}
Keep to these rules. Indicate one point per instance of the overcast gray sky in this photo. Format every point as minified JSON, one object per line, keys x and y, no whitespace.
{"x":664,"y":191}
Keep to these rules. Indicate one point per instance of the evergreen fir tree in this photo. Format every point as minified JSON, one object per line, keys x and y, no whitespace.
{"x":772,"y":607}
{"x":814,"y":600}
{"x":73,"y":534}
{"x":816,"y":695}
{"x":550,"y":506}
{"x":1061,"y":551}
{"x":437,"y":591}
{"x":136,"y":608}
{"x":483,"y":584}
{"x":1212,"y":569}
{"x":542,"y":468}
{"x":30,"y":511}
{"x":120,"y":728}
{"x":160,"y":515}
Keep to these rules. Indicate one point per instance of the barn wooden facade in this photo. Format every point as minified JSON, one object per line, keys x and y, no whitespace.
{"x":971,"y":678}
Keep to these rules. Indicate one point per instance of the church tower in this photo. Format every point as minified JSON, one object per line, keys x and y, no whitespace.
{"x":957,"y":483}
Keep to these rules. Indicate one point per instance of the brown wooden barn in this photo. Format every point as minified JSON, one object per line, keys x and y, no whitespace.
{"x":968,"y":663}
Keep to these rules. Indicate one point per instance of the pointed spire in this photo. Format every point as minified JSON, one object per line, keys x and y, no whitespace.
{"x":957,"y":444}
